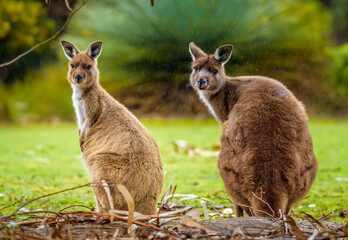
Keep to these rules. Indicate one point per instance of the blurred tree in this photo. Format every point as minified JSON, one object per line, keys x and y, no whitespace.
{"x":22,"y":24}
{"x":144,"y":43}
{"x":338,"y":69}
{"x":339,"y":10}
{"x":58,"y":10}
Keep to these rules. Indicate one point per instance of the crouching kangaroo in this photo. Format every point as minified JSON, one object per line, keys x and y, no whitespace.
{"x":266,"y":160}
{"x":114,"y":144}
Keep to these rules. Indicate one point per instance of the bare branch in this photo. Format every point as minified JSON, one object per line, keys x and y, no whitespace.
{"x":47,"y":40}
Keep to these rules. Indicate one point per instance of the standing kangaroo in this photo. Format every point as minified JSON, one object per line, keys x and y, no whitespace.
{"x":114,"y":144}
{"x":266,"y":160}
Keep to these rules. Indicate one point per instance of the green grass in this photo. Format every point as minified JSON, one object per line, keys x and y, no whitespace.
{"x":44,"y":158}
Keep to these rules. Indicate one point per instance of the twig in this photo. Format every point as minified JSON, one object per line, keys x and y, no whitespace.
{"x":34,"y":199}
{"x":327,"y":215}
{"x":264,"y":202}
{"x":12,"y":203}
{"x":125,"y":177}
{"x":39,"y":211}
{"x":47,"y":40}
{"x":243,"y":205}
{"x":77,"y":205}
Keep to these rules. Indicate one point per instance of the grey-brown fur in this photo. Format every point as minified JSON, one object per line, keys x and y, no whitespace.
{"x":266,"y":148}
{"x":112,"y":140}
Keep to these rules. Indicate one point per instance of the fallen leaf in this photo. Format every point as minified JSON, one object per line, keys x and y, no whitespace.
{"x":297,"y":232}
{"x":194,"y":213}
{"x":189,"y":222}
{"x":68,"y":5}
{"x":130,"y":202}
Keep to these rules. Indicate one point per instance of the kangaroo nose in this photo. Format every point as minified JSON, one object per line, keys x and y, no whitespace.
{"x":78,"y":78}
{"x":201,"y":83}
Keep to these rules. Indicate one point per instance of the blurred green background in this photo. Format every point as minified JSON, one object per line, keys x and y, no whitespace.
{"x":145,"y":64}
{"x":145,"y":61}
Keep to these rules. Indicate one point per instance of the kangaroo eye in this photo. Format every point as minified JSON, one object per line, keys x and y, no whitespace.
{"x":72,"y":66}
{"x":195,"y":68}
{"x":215,"y":71}
{"x":89,"y":67}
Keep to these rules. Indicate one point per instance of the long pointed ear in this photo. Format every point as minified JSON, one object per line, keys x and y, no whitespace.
{"x":69,"y":49}
{"x":195,"y":51}
{"x":94,"y":50}
{"x":223,"y":53}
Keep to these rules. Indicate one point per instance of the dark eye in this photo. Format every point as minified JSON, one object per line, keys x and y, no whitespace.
{"x":214,"y":71}
{"x":72,"y":66}
{"x":89,"y":67}
{"x":195,"y":68}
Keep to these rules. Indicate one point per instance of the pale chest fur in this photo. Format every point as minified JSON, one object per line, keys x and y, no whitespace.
{"x":80,"y":109}
{"x":203,"y":98}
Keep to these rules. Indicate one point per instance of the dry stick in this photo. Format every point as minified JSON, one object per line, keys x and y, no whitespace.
{"x":47,"y":40}
{"x":77,"y":205}
{"x":39,"y":211}
{"x":264,"y":203}
{"x":242,"y":205}
{"x":326,"y":229}
{"x":327,"y":215}
{"x":34,"y":199}
{"x":125,"y":177}
{"x":12,"y":204}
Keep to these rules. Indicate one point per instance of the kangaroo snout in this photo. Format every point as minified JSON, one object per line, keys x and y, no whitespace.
{"x":78,"y":78}
{"x":202,"y":83}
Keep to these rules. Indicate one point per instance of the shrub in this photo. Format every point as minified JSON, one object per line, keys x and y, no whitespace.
{"x":338,"y":69}
{"x":144,"y":43}
{"x":22,"y":25}
{"x":44,"y":95}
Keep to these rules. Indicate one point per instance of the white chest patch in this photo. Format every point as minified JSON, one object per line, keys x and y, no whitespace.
{"x":203,"y":98}
{"x":79,"y":106}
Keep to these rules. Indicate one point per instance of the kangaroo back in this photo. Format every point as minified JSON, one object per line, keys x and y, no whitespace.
{"x":266,"y":160}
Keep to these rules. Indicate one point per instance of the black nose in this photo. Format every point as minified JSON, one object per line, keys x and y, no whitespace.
{"x":202,"y":83}
{"x":78,"y":78}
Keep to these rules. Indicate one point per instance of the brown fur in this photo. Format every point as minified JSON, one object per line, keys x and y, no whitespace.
{"x":266,"y":160}
{"x":112,"y":140}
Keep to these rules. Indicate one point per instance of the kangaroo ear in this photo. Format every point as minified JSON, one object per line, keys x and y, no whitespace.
{"x":195,"y":51}
{"x":69,"y":49}
{"x":94,"y":50}
{"x":223,"y":53}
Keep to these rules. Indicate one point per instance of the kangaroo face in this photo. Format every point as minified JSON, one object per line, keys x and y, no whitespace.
{"x":83,"y":69}
{"x":208,"y":72}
